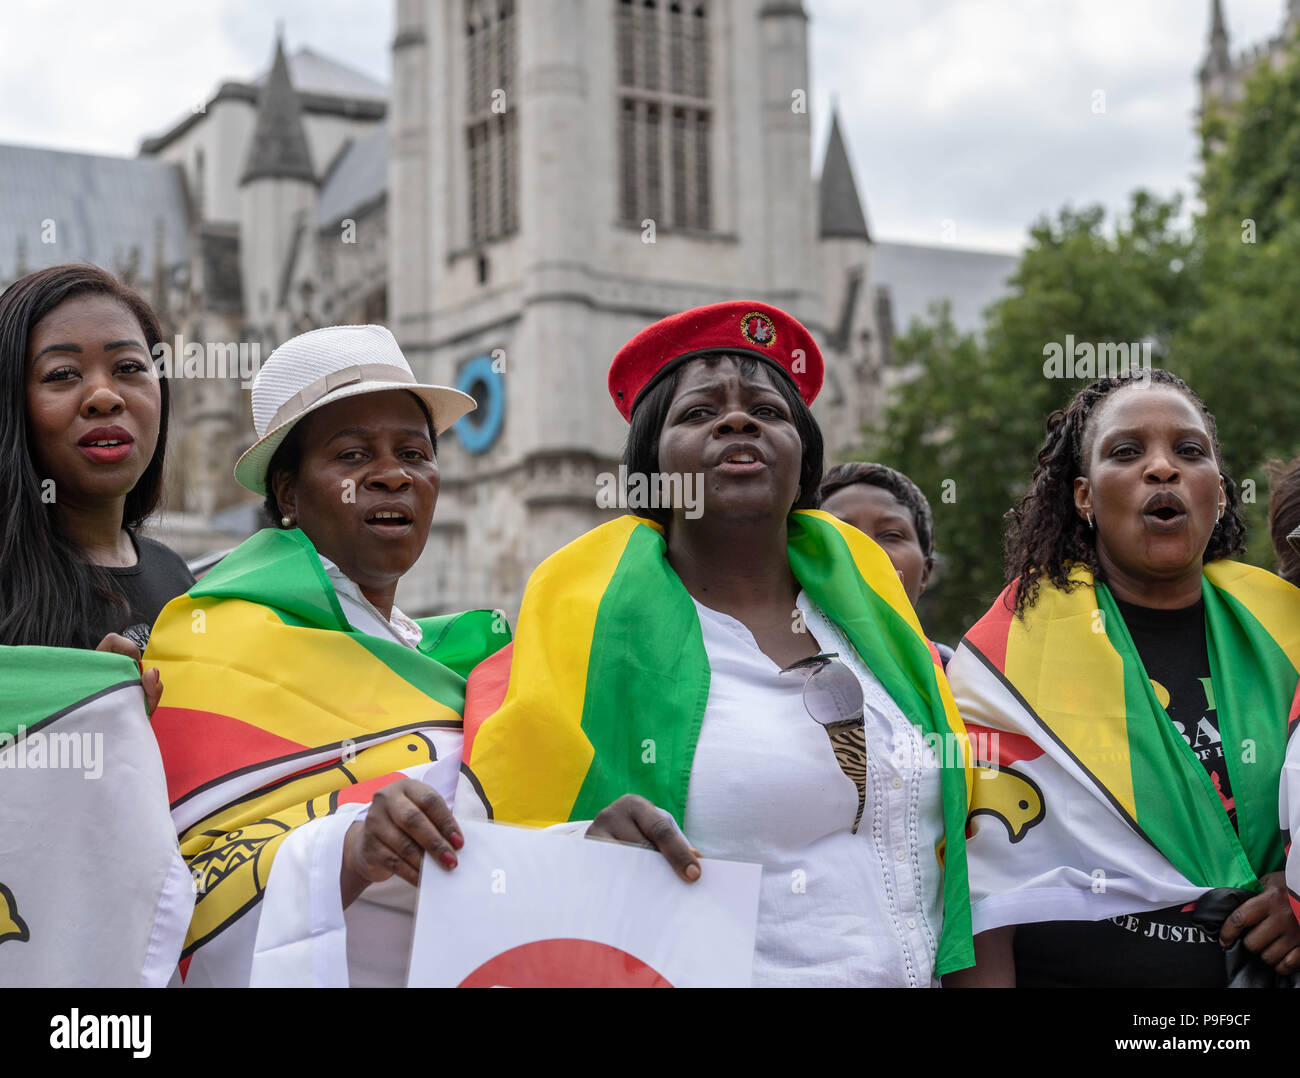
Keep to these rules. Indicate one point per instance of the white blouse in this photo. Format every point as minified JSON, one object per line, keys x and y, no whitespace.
{"x":836,"y":909}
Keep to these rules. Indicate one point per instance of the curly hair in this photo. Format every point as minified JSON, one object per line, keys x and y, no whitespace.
{"x":1047,"y":537}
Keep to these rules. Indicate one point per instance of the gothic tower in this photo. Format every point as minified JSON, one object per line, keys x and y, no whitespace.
{"x":277,"y":198}
{"x":562,"y":173}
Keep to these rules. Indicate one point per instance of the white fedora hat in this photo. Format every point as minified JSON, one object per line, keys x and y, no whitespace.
{"x":327,"y":365}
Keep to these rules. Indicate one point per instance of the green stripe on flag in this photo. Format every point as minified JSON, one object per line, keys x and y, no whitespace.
{"x":901,"y":660}
{"x":647,"y":684}
{"x":1178,"y":808}
{"x":1250,"y":675}
{"x":280,"y":569}
{"x":37,"y":684}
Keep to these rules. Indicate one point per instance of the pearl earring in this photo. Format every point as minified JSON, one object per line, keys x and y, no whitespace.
{"x":286,"y":522}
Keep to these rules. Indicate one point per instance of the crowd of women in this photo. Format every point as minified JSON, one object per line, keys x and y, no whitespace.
{"x":1116,"y":810}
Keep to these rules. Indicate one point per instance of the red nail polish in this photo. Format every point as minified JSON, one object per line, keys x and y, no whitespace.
{"x":449,"y":859}
{"x":457,"y":839}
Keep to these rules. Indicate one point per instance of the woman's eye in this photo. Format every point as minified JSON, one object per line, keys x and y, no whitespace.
{"x":351,"y":455}
{"x":415,"y":454}
{"x":1125,"y":452}
{"x":1193,"y":450}
{"x":62,"y":374}
{"x":696,"y":412}
{"x":131,"y":366}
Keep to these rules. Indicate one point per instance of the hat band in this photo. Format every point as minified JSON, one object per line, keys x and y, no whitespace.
{"x":323,"y":387}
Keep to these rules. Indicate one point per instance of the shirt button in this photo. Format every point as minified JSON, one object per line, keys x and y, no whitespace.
{"x":896,"y":783}
{"x":900,"y":855}
{"x":911,"y":922}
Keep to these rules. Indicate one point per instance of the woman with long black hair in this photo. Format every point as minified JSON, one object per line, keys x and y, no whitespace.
{"x":83,"y":434}
{"x":83,"y":426}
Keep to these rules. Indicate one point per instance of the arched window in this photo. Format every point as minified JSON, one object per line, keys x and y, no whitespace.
{"x":664,"y":113}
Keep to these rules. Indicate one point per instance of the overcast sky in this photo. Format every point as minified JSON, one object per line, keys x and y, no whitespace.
{"x":978,"y":112}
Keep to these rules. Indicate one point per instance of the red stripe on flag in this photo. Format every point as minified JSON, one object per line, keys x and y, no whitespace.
{"x":200,"y":746}
{"x":362,"y":793}
{"x":1008,"y":748}
{"x":989,"y":634}
{"x":485,"y":690}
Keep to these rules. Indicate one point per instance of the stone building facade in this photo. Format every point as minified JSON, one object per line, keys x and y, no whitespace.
{"x":539,"y":181}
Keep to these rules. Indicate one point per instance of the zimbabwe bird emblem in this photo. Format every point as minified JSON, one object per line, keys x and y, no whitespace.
{"x":1000,"y":790}
{"x":12,"y":926}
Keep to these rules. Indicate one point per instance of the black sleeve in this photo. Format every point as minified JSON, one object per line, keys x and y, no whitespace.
{"x":159,"y":576}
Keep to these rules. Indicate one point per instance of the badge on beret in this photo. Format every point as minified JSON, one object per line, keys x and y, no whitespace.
{"x":758,"y":329}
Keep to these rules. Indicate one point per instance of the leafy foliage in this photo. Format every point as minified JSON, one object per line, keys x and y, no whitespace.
{"x":1216,"y":298}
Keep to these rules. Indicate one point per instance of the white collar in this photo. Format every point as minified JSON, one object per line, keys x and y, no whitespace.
{"x":364,"y":616}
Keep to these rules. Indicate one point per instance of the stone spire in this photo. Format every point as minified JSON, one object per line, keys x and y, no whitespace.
{"x":279,"y":148}
{"x":841,"y":208}
{"x":1218,"y":59}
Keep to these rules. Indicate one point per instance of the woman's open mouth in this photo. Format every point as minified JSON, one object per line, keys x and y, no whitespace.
{"x":390,"y":522}
{"x":1165,"y":512}
{"x":107,"y":445}
{"x":741,"y":462}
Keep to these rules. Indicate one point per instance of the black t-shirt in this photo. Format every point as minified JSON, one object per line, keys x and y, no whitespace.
{"x":157,"y":577}
{"x":1163,"y":948}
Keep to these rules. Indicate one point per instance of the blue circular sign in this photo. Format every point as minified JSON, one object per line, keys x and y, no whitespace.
{"x":482,"y":381}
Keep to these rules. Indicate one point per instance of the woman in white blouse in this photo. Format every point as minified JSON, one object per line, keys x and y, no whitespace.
{"x":718,"y":397}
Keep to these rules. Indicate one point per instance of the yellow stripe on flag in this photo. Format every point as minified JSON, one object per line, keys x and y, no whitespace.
{"x":547,"y":755}
{"x":1074,"y":680}
{"x":1272,"y":601}
{"x":305,"y":685}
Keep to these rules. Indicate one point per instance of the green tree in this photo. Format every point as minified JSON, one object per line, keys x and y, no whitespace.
{"x":968,"y":421}
{"x":1216,"y":300}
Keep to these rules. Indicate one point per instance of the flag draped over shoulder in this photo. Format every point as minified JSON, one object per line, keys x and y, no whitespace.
{"x":93,"y":890}
{"x":275,"y":712}
{"x":1088,"y":801}
{"x":604,"y":690}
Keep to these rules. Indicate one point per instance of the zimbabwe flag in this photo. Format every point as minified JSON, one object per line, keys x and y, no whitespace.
{"x":275,"y":712}
{"x":93,"y":891}
{"x":1089,"y":802}
{"x":609,"y":658}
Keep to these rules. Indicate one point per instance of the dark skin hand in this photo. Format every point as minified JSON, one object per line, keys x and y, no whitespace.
{"x":1266,"y":924}
{"x":151,"y":680}
{"x":406,"y":820}
{"x":635,"y":820}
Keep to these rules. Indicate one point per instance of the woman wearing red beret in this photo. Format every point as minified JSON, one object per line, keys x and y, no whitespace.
{"x":742,"y":670}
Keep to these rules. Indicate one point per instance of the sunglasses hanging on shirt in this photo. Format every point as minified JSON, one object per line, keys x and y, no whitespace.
{"x":832,"y":695}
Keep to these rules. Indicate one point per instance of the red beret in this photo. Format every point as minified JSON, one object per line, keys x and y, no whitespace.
{"x":758,"y":329}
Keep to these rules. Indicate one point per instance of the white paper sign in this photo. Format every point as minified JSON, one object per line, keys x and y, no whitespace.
{"x":529,"y":908}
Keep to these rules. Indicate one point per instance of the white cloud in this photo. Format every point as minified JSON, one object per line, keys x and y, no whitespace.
{"x":972,"y":110}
